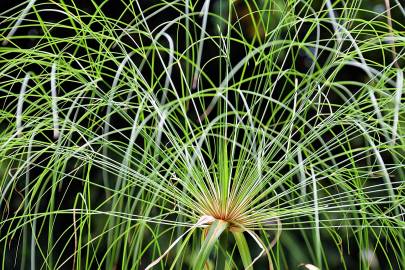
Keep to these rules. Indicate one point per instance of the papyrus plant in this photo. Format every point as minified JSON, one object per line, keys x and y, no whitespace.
{"x":201,"y":135}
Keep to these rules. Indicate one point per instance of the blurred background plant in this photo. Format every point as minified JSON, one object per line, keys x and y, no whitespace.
{"x":202,"y":134}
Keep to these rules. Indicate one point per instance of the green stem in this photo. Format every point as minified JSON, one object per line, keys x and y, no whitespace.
{"x":243,"y":249}
{"x":215,"y":231}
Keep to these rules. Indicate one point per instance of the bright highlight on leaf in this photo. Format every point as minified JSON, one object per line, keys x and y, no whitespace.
{"x":310,"y":267}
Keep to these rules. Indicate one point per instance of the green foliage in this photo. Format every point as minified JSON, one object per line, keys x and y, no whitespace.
{"x":202,"y":135}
